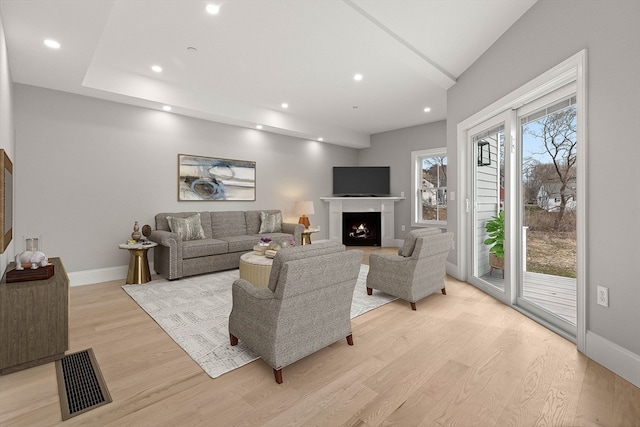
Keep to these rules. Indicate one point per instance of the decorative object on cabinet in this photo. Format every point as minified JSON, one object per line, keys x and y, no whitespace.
{"x":32,"y":258}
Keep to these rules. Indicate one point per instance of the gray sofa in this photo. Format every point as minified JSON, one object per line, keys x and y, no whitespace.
{"x":305,"y":307}
{"x":226,"y":236}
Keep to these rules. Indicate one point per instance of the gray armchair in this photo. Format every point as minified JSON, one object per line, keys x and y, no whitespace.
{"x":305,"y":307}
{"x":417,"y":271}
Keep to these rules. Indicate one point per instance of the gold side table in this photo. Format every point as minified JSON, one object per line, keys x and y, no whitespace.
{"x":306,"y":235}
{"x":138,"y":262}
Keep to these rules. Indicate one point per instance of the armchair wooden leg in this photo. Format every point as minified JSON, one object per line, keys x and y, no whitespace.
{"x":413,"y":306}
{"x":278,"y":374}
{"x":369,"y":291}
{"x":444,"y":291}
{"x":234,"y":340}
{"x":350,"y":339}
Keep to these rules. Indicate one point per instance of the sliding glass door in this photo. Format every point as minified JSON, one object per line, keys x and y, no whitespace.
{"x":523,"y":198}
{"x":487,"y":200}
{"x":547,"y":210}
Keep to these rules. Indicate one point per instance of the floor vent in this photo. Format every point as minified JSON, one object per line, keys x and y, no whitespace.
{"x":80,"y":384}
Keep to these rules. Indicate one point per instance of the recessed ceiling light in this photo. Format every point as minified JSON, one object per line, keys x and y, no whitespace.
{"x":284,"y":105}
{"x":212,"y":9}
{"x":52,"y":44}
{"x":156,"y":68}
{"x":357,"y":77}
{"x":426,"y":110}
{"x":166,"y":108}
{"x":258,"y":126}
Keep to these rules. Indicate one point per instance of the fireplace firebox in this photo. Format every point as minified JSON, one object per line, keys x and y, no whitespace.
{"x":361,"y":229}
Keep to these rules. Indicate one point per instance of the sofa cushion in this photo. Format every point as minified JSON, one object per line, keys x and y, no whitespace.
{"x":189,"y":228}
{"x":204,"y":247}
{"x":240,"y":243}
{"x":270,"y":222}
{"x":228,"y":223}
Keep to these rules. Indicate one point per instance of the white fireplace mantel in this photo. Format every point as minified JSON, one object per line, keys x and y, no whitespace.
{"x":384,"y":205}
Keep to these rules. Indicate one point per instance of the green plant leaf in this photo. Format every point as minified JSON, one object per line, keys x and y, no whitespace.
{"x":495,"y":231}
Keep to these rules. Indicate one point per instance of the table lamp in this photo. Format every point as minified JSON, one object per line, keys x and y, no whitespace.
{"x":304,"y":208}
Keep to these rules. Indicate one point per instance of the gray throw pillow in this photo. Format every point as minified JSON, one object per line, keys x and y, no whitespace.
{"x":188,"y":228}
{"x":408,"y":246}
{"x":270,"y":222}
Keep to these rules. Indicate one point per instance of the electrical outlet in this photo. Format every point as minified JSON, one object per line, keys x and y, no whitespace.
{"x":603,"y":296}
{"x":402,"y":194}
{"x":403,"y":228}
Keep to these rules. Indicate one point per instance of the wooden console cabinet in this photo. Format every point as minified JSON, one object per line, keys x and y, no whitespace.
{"x":34,"y":320}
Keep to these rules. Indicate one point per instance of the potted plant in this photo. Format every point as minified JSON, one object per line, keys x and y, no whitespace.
{"x":495,"y":230}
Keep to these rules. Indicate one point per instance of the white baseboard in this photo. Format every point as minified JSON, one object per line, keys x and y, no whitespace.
{"x":613,"y":357}
{"x":89,"y":277}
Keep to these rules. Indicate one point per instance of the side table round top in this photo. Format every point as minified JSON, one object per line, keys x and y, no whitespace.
{"x":137,"y":245}
{"x":310,"y":230}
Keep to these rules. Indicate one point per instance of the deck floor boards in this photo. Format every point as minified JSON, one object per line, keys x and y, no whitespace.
{"x":552,"y":293}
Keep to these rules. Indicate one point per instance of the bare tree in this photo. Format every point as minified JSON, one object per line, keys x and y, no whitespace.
{"x":434,"y":176}
{"x":557,"y":131}
{"x":434,"y":169}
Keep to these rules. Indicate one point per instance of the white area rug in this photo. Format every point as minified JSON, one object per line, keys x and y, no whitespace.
{"x":194,"y":311}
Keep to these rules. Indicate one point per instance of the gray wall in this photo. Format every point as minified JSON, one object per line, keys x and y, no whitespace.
{"x":549,"y":33}
{"x":86,"y":169}
{"x":394,"y":149}
{"x":7,"y":141}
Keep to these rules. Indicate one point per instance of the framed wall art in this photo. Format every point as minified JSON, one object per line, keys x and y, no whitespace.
{"x":6,"y":200}
{"x":210,"y":178}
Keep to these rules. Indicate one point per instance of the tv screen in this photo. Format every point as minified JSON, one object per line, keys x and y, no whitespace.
{"x":361,"y":181}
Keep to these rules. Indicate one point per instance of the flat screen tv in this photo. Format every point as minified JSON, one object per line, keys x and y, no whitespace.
{"x":361,"y":181}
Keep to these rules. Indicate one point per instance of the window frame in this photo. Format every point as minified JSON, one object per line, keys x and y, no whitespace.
{"x":416,"y":185}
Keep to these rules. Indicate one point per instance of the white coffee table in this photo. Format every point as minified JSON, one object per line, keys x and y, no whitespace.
{"x":255,"y":269}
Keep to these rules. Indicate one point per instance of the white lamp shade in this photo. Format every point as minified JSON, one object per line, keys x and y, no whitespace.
{"x":304,"y":208}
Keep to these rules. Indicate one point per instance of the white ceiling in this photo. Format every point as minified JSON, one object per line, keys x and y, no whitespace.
{"x":254,"y":55}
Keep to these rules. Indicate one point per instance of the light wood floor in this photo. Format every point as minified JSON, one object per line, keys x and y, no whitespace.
{"x":463,"y":359}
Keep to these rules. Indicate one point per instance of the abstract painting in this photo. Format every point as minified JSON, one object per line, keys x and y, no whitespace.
{"x":209,"y":179}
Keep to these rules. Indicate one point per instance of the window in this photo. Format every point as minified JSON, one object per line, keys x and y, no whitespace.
{"x":429,"y":187}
